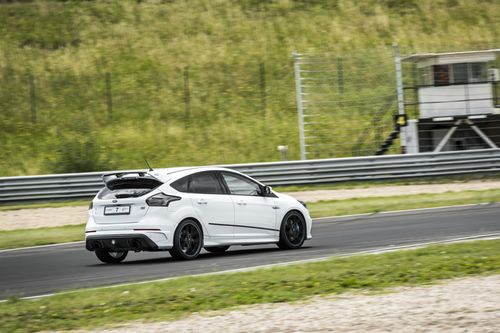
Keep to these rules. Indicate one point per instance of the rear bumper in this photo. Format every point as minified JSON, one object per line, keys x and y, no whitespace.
{"x":122,"y":242}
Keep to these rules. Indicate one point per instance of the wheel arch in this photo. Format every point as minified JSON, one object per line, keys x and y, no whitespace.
{"x":293,"y":210}
{"x":284,"y":241}
{"x":196,"y":221}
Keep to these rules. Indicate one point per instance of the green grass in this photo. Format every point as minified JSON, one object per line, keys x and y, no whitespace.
{"x":53,"y":204}
{"x":10,"y":239}
{"x":53,"y":235}
{"x":67,"y":47}
{"x":400,"y":202}
{"x":397,"y":182}
{"x":179,"y":297}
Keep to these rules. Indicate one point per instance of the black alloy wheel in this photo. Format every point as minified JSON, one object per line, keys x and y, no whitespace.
{"x":292,"y":231}
{"x":188,"y":240}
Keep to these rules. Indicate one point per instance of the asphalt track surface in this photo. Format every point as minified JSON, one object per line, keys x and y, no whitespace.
{"x":45,"y":270}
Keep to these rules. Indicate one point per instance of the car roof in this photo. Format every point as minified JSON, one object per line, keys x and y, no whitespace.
{"x":171,"y":174}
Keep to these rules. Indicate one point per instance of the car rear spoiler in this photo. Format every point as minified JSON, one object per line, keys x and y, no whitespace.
{"x":130,"y":179}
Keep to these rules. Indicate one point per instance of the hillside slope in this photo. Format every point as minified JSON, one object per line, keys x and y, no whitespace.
{"x":96,"y":85}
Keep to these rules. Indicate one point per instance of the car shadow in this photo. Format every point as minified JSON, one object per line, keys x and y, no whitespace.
{"x":203,"y":256}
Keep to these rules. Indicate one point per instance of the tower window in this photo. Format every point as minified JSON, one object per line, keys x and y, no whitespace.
{"x":460,"y":73}
{"x":441,"y":75}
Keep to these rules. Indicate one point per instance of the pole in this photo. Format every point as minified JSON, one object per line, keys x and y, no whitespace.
{"x":32,"y":98}
{"x":262,"y":75}
{"x":400,"y":93}
{"x":109,"y":97}
{"x":298,"y":92}
{"x":340,"y":74}
{"x":187,"y":98}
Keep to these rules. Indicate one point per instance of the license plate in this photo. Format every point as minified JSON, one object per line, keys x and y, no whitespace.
{"x":116,"y":210}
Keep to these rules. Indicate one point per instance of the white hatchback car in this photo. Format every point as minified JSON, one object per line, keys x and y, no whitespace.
{"x":183,"y":210}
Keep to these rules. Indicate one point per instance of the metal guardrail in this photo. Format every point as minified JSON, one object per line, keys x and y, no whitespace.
{"x":86,"y":185}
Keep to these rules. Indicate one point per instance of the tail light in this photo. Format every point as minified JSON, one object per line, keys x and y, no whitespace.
{"x":161,"y":199}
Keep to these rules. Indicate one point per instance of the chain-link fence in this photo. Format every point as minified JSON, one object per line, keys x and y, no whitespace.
{"x":347,"y":102}
{"x":183,"y":95}
{"x":173,"y":115}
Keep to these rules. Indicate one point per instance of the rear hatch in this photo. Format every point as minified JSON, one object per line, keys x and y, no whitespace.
{"x":123,"y":200}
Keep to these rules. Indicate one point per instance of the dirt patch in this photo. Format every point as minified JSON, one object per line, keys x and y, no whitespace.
{"x":42,"y":217}
{"x":386,"y":191}
{"x":466,"y":305}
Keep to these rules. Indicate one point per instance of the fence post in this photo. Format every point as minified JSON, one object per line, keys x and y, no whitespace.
{"x":32,"y":98}
{"x":340,"y":74}
{"x":137,"y":12}
{"x":187,"y":98}
{"x":262,"y":84}
{"x":298,"y":92}
{"x":109,"y":97}
{"x":400,"y":93}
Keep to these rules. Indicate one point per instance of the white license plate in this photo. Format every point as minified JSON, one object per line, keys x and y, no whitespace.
{"x":116,"y":210}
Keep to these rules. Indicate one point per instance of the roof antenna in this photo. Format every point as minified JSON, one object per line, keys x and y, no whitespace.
{"x":149,"y":166}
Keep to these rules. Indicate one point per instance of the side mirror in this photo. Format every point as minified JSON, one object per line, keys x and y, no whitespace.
{"x":267,"y":191}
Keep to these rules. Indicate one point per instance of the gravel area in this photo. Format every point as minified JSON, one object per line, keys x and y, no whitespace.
{"x":466,"y":305}
{"x":42,"y":217}
{"x":52,"y":217}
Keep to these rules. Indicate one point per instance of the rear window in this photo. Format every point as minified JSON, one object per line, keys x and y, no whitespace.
{"x":128,"y":185}
{"x":181,"y":185}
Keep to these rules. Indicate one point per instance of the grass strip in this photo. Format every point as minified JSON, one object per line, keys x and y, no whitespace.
{"x":173,"y":299}
{"x":70,"y":233}
{"x":458,"y":179}
{"x":400,"y":202}
{"x":10,"y":239}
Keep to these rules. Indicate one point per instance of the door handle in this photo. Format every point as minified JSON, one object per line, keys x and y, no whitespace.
{"x":241,"y":203}
{"x":202,"y":202}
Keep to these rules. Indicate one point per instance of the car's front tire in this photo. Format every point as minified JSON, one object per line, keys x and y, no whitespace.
{"x":188,"y":240}
{"x":110,"y":257}
{"x":292,"y":231}
{"x":217,"y":249}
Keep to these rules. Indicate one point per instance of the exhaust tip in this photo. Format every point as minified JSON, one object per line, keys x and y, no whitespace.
{"x":136,"y":244}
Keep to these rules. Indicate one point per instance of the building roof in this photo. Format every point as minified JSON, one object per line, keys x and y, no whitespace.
{"x":427,"y":59}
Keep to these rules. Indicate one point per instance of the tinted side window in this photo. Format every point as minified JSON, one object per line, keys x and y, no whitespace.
{"x":181,"y":185}
{"x":240,"y":185}
{"x":205,"y":182}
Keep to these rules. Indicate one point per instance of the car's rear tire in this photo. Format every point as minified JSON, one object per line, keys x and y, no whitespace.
{"x":217,"y":249}
{"x":292,"y":231}
{"x":110,"y":257}
{"x":188,"y":240}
